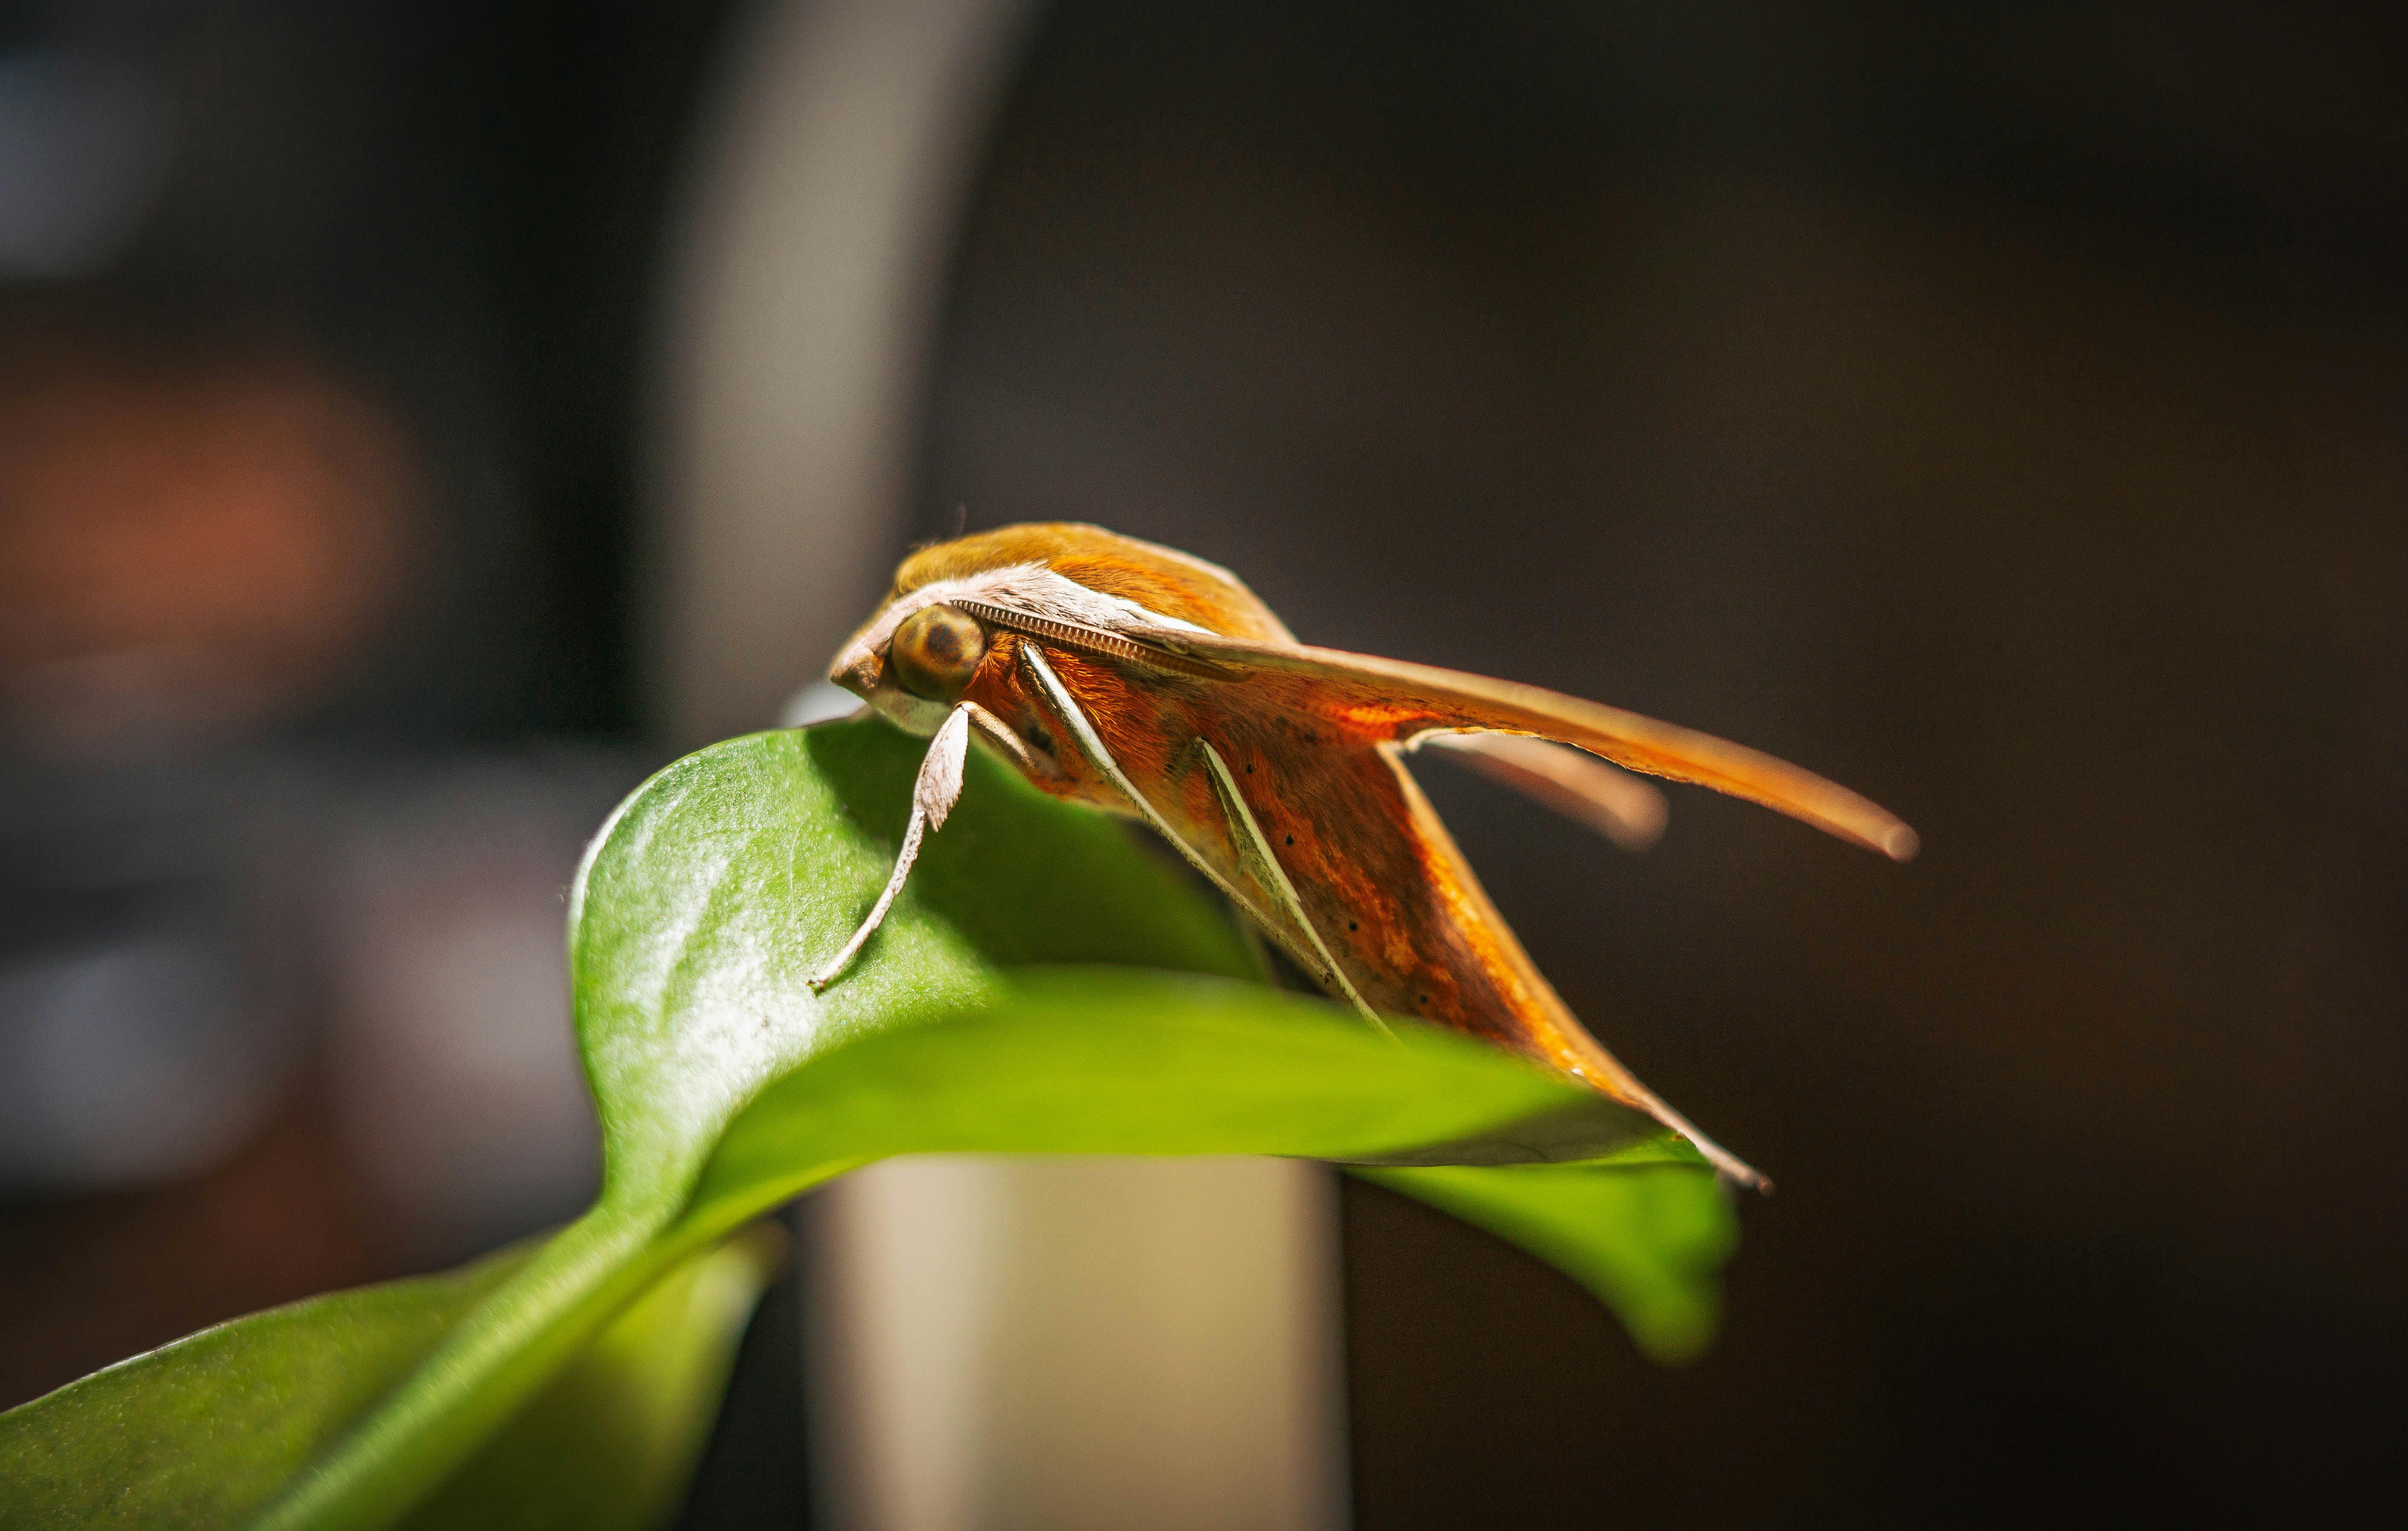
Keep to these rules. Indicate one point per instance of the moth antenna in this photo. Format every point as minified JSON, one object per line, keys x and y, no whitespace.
{"x":933,"y":796}
{"x":1257,"y":849}
{"x":1081,"y":639}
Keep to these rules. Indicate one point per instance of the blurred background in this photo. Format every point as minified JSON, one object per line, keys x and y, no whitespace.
{"x":416,"y":421}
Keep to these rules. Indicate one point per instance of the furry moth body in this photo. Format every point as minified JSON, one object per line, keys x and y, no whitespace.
{"x":1146,"y":682}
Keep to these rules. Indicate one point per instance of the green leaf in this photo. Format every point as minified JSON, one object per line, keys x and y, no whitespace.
{"x":1045,"y":984}
{"x":1646,"y":1240}
{"x":1086,"y":1060}
{"x":703,"y":908}
{"x":204,"y":1431}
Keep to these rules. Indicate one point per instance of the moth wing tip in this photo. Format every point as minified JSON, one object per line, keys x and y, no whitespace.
{"x":1640,"y":834}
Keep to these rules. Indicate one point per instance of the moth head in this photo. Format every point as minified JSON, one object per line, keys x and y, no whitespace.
{"x":934,"y":652}
{"x":917,"y":656}
{"x":913,"y":660}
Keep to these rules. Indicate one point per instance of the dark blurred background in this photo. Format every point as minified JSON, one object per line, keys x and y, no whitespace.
{"x":2001,"y":409}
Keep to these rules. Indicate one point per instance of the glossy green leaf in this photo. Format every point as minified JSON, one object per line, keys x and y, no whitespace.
{"x":204,"y":1431}
{"x":1047,"y":983}
{"x":1647,"y":1239}
{"x":704,"y":905}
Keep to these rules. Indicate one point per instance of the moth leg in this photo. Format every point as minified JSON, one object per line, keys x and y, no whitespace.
{"x":933,"y":796}
{"x":1006,"y":743}
{"x":1254,"y":849}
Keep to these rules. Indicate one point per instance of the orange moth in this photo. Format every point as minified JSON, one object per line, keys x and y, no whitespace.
{"x":1146,"y":682}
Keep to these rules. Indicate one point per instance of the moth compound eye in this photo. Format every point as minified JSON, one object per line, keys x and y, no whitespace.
{"x":936,"y":651}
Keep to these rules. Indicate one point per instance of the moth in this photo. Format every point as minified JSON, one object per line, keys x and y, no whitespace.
{"x":1146,"y":682}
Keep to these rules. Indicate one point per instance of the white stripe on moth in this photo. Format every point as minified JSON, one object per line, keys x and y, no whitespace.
{"x":933,"y":796}
{"x":1255,"y":848}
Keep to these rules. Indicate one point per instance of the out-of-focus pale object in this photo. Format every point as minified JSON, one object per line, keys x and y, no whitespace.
{"x":155,"y":990}
{"x":802,"y":299}
{"x":449,"y":1050}
{"x":996,"y":1343}
{"x":84,"y":149}
{"x":1081,"y":1344}
{"x":131,"y":1060}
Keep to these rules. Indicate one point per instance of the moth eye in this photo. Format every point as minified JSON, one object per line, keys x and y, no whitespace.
{"x":936,"y":651}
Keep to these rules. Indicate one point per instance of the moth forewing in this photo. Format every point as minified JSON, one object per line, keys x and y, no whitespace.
{"x":1393,"y":700}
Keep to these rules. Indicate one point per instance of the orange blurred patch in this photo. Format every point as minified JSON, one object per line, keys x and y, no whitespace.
{"x":190,"y":539}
